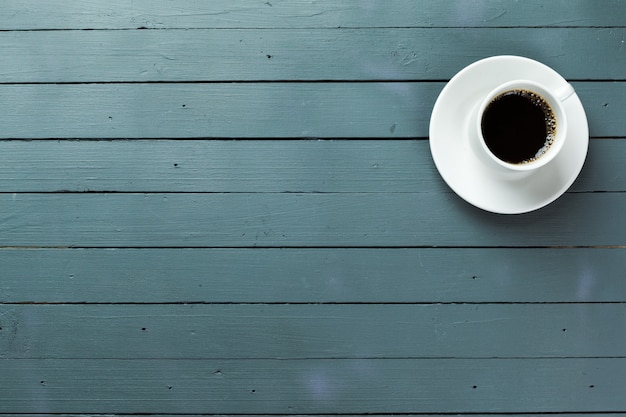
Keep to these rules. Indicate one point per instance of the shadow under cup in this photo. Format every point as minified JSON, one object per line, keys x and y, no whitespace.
{"x":521,"y":124}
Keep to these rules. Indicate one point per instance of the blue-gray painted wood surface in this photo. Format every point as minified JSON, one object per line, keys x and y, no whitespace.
{"x":346,"y":415}
{"x":299,"y":220}
{"x":316,"y":275}
{"x":328,"y":386}
{"x":154,"y":260}
{"x":291,"y":54}
{"x":288,"y":331}
{"x":163,"y":14}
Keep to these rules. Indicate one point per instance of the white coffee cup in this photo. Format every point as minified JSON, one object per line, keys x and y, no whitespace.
{"x":557,"y":131}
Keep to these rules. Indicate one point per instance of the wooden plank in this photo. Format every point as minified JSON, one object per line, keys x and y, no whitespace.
{"x":344,"y":415}
{"x":251,"y":110}
{"x":313,"y":386}
{"x":293,"y":219}
{"x":217,"y":110}
{"x":227,"y":166}
{"x":312,"y":275}
{"x":297,"y":220}
{"x":253,"y":166}
{"x":308,"y":331}
{"x":119,"y":14}
{"x":290,"y":54}
{"x":314,"y":415}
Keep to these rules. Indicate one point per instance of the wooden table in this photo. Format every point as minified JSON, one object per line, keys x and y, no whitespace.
{"x":230,"y":207}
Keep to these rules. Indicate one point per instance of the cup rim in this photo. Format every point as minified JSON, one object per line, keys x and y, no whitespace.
{"x":555,"y":103}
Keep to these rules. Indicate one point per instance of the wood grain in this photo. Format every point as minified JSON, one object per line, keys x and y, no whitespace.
{"x":300,"y":275}
{"x":294,"y":54}
{"x":312,"y":386}
{"x":346,"y":415}
{"x":300,"y":220}
{"x":162,"y":14}
{"x":309,"y":331}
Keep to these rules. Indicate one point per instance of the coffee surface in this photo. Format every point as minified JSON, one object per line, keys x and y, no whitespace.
{"x":518,"y":126}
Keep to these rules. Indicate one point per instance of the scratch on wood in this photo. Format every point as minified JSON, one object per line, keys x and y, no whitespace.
{"x":481,"y":321}
{"x":497,"y":16}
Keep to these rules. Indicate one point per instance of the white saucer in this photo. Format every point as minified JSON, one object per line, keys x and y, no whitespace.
{"x":476,"y":180}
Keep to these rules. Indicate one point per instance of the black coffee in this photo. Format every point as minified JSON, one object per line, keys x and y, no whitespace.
{"x":518,"y":126}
